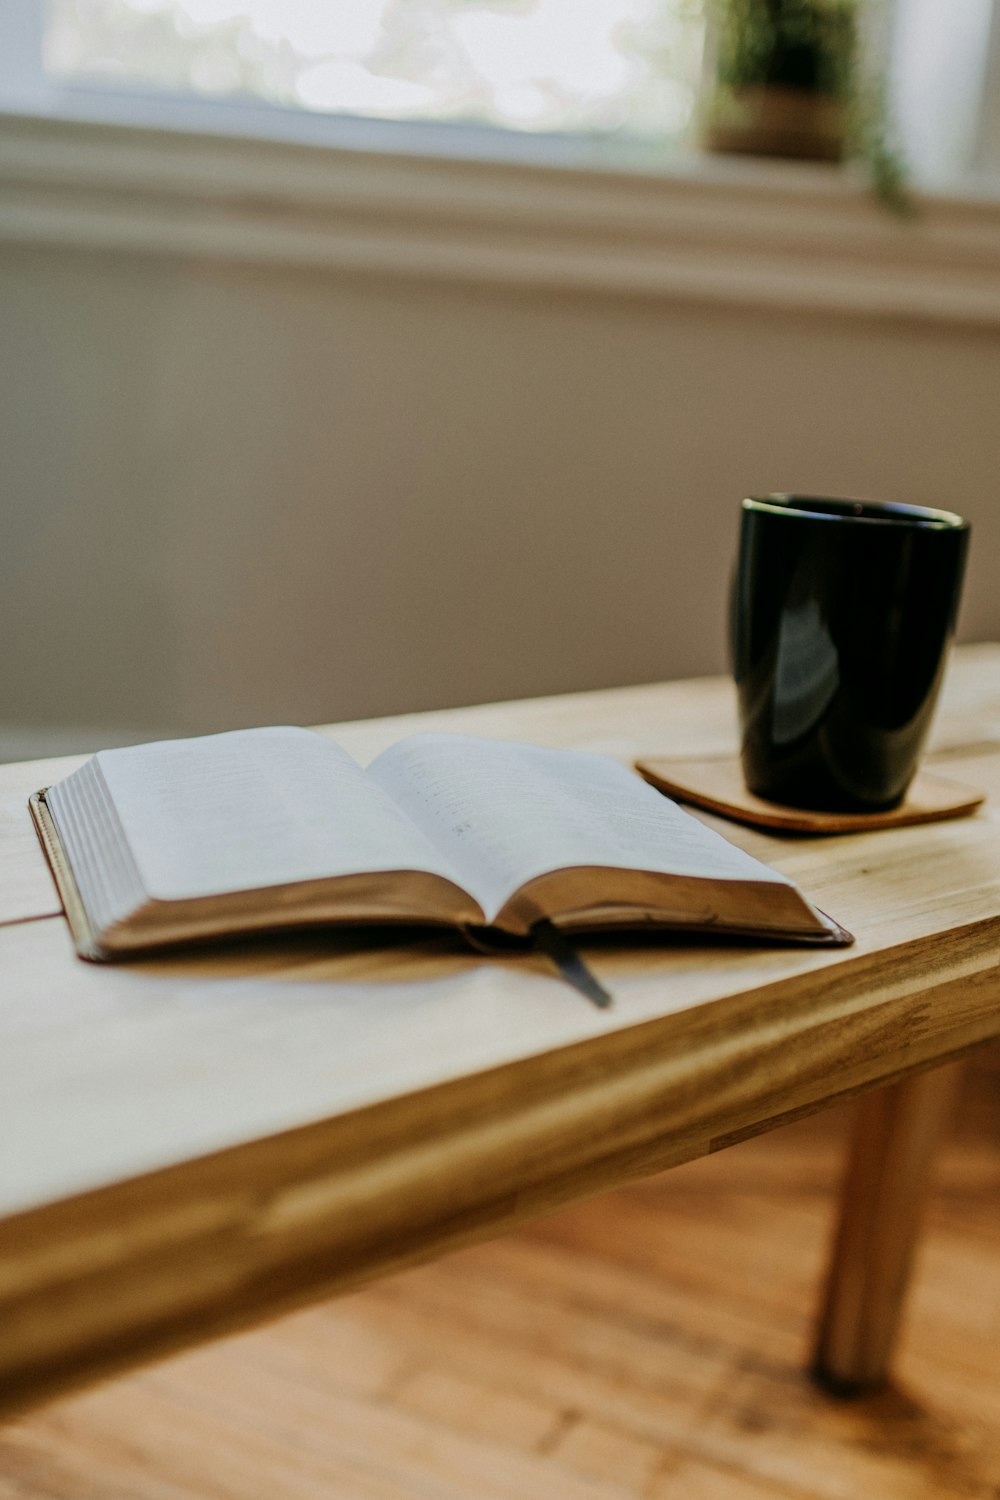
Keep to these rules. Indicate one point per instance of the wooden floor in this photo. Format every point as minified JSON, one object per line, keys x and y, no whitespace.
{"x":648,"y":1344}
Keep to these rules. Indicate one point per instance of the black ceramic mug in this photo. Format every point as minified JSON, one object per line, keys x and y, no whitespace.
{"x":842,"y":615}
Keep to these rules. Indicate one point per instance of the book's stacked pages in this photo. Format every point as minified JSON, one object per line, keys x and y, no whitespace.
{"x":264,"y":829}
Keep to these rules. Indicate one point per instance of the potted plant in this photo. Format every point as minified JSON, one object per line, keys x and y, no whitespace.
{"x":788,"y":80}
{"x":784,"y":77}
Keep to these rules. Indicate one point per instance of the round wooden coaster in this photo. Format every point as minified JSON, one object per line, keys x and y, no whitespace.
{"x":717,"y":786}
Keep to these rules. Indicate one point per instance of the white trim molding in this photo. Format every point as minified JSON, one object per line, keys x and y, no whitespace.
{"x":699,"y":229}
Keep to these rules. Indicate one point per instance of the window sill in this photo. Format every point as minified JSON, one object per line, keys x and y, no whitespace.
{"x":695,"y":229}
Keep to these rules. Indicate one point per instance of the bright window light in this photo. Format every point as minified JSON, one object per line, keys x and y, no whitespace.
{"x":544,"y":65}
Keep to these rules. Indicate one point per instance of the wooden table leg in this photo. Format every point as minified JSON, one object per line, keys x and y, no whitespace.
{"x":895,"y":1133}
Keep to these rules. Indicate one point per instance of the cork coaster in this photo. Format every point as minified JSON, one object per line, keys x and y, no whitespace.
{"x":717,"y":786}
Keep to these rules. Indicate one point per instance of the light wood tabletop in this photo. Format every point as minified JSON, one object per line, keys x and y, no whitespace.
{"x":195,"y":1142}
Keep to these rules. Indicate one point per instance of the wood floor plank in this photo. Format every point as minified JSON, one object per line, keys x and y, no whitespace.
{"x":481,"y":1408}
{"x":591,"y":1447}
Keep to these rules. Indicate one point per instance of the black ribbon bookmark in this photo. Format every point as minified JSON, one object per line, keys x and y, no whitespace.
{"x":569,"y":963}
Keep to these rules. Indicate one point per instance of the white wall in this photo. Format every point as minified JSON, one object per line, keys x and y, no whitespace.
{"x":238,"y":494}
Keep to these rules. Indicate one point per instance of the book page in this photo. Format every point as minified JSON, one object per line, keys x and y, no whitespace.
{"x":503,"y":813}
{"x":255,"y":808}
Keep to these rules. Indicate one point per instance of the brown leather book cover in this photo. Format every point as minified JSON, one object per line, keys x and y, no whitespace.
{"x":84,"y":936}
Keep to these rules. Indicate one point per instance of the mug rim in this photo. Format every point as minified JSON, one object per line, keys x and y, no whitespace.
{"x":855,"y":512}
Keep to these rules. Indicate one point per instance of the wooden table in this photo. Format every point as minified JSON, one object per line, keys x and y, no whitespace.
{"x":195,"y":1143}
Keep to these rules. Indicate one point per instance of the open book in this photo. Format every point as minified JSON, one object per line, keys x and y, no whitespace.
{"x":262,"y":829}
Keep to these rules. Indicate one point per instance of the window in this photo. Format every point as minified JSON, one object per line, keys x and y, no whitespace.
{"x":535,"y":65}
{"x":556,"y":71}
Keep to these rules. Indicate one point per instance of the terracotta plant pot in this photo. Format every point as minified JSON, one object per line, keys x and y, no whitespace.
{"x":777,"y":122}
